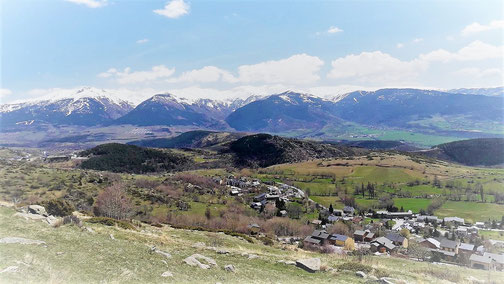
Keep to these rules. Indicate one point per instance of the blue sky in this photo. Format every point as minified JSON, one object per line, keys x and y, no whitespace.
{"x":233,"y":48}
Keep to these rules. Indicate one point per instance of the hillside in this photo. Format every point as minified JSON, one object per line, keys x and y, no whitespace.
{"x":263,"y":150}
{"x":190,"y":139}
{"x":472,"y":152}
{"x":116,"y":157}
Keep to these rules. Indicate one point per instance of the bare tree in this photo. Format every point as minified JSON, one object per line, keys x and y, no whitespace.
{"x":113,"y":202}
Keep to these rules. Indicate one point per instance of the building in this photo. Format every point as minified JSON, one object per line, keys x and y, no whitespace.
{"x":399,"y":215}
{"x":429,"y":219}
{"x":454,"y":220}
{"x":448,"y":245}
{"x":382,"y":245}
{"x":369,"y":237}
{"x":397,"y":240}
{"x":349,"y":210}
{"x":497,"y":258}
{"x":430,"y":243}
{"x":359,"y":235}
{"x":337,"y":212}
{"x":481,"y":262}
{"x":341,"y":241}
{"x":254,"y":228}
{"x":466,"y":248}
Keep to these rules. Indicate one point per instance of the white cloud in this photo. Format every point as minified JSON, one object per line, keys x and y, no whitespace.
{"x":477,"y":27}
{"x":128,"y":77}
{"x":476,"y":50}
{"x":174,"y":9}
{"x":206,"y":74}
{"x":90,"y":3}
{"x":480,"y":73}
{"x":144,"y":40}
{"x":5,"y":92}
{"x":297,"y":69}
{"x":399,"y":45}
{"x":375,"y":67}
{"x":417,"y":40}
{"x":333,"y":30}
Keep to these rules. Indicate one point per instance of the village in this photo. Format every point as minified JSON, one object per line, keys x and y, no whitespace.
{"x":449,"y":240}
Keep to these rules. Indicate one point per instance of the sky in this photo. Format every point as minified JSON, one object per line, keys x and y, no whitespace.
{"x":233,"y":48}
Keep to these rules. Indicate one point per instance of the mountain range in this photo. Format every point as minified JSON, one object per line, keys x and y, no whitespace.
{"x":454,"y":112}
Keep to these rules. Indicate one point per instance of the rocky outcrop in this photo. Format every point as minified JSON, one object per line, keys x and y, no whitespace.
{"x":311,"y":265}
{"x":195,"y":260}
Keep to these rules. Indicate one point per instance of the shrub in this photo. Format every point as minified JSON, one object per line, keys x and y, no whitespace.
{"x":72,"y":219}
{"x":354,"y":266}
{"x":111,"y":222}
{"x":58,"y":207}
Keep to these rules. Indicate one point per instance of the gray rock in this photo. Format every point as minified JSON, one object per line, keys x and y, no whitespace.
{"x":89,"y":230}
{"x":387,"y":280}
{"x":252,"y":256}
{"x":37,"y":209}
{"x":194,"y":260}
{"x":310,"y":264}
{"x":361,"y":274}
{"x":199,"y":245}
{"x":163,"y":253}
{"x":290,"y":262}
{"x":23,"y":241}
{"x":112,"y":237}
{"x":222,"y":251}
{"x":167,"y":274}
{"x":51,"y":220}
{"x":28,"y":216}
{"x":229,"y":268}
{"x":59,"y":253}
{"x":10,"y":269}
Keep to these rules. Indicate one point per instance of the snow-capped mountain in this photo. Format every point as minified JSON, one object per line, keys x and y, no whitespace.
{"x":166,"y":109}
{"x":82,"y":106}
{"x":498,"y":91}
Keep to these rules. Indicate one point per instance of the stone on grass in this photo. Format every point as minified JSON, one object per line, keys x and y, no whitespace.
{"x":167,"y":274}
{"x":195,"y":260}
{"x":89,"y":230}
{"x":361,"y":274}
{"x":199,"y":245}
{"x":10,"y":269}
{"x":310,"y":264}
{"x":290,"y":262}
{"x":37,"y":209}
{"x":163,"y":253}
{"x":222,"y":251}
{"x":29,"y":216}
{"x":252,"y":256}
{"x":112,"y":237}
{"x":229,"y":268}
{"x":23,"y":241}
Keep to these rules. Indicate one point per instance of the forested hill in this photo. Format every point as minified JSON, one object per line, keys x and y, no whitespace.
{"x":132,"y":159}
{"x":263,"y":150}
{"x":473,"y":152}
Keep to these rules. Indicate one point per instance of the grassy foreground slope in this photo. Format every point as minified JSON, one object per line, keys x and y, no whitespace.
{"x":73,"y":255}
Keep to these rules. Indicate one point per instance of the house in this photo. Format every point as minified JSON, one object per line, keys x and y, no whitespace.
{"x":448,"y":245}
{"x":454,"y":220}
{"x":337,"y":212}
{"x":341,"y":240}
{"x":316,"y":222}
{"x":382,"y":245}
{"x":260,"y":197}
{"x":400,"y":215}
{"x":349,"y":210}
{"x":312,"y":241}
{"x":430,"y":243}
{"x":397,"y":240}
{"x":480,"y":225}
{"x":369,"y":237}
{"x":428,"y":219}
{"x":481,"y":262}
{"x":466,"y":248}
{"x":461,"y":232}
{"x":359,"y":235}
{"x":497,"y":258}
{"x":320,"y":235}
{"x":332,"y":218}
{"x":254,"y":228}
{"x":446,"y":255}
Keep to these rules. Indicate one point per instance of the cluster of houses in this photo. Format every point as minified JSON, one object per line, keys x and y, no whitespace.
{"x":321,"y":238}
{"x":273,"y":190}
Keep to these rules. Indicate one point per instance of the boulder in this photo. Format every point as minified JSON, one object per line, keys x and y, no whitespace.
{"x":222,"y":251}
{"x":229,"y":268}
{"x":310,"y":264}
{"x":23,"y":241}
{"x":30,"y":216}
{"x":252,"y":256}
{"x":361,"y":274}
{"x":37,"y":209}
{"x":199,"y":245}
{"x":195,"y":260}
{"x":167,"y":274}
{"x":387,"y":280}
{"x":10,"y":269}
{"x":163,"y":253}
{"x":51,"y":220}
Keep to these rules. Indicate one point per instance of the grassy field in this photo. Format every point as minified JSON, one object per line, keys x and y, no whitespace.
{"x":73,"y":255}
{"x":471,"y":211}
{"x":413,"y":204}
{"x":493,"y":235}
